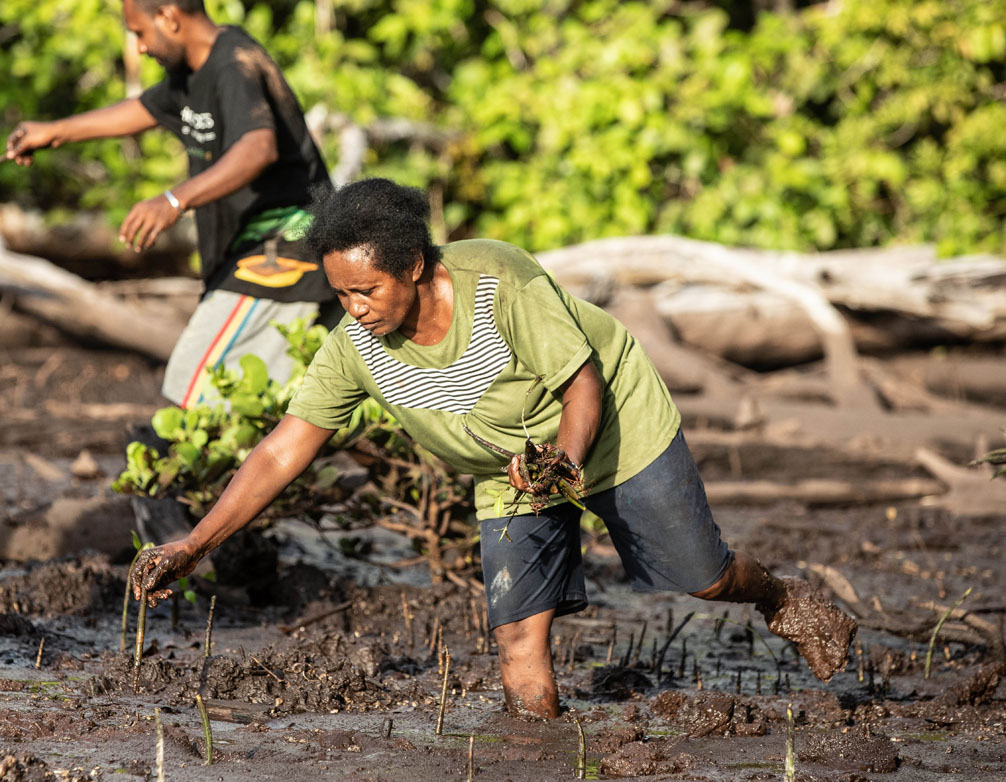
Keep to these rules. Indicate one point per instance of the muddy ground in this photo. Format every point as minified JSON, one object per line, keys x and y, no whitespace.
{"x":327,"y":665}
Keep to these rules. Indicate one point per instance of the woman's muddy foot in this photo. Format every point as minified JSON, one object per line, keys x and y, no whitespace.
{"x":821,"y":631}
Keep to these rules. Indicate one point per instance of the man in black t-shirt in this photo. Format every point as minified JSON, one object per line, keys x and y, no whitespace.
{"x":252,"y":163}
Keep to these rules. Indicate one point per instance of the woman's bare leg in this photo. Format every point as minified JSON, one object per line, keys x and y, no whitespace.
{"x":526,"y":666}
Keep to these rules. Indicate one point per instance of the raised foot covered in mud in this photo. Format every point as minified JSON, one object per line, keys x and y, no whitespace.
{"x":821,"y":631}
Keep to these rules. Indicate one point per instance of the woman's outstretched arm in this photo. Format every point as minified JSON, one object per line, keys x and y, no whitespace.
{"x":274,"y":464}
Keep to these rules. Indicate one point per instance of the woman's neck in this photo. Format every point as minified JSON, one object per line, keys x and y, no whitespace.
{"x":430,"y":317}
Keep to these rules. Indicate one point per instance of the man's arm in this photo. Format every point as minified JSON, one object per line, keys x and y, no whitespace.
{"x":276,"y":461}
{"x":124,"y":118}
{"x":237,"y":167}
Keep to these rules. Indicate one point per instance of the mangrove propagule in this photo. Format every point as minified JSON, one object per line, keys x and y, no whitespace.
{"x":939,"y":626}
{"x":141,"y":629}
{"x":790,"y":745}
{"x":207,"y":733}
{"x":208,"y":640}
{"x":443,"y":692}
{"x":581,"y":755}
{"x":125,"y":597}
{"x":159,"y":759}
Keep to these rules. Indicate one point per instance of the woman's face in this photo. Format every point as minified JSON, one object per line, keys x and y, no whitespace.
{"x":376,"y":300}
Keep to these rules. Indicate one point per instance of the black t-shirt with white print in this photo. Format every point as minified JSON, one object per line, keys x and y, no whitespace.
{"x":239,"y":89}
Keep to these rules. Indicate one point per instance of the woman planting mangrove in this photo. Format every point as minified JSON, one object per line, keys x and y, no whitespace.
{"x":489,"y":364}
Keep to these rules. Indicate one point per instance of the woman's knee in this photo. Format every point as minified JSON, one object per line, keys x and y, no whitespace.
{"x":530,"y":633}
{"x":716,"y":590}
{"x":723,"y":586}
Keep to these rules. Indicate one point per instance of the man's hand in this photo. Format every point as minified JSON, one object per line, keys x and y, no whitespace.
{"x":26,"y":138}
{"x":146,"y":220}
{"x":155,"y":568}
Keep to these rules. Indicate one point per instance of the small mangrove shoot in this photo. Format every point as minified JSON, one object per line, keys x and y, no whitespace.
{"x":141,"y":629}
{"x":790,"y":745}
{"x":160,"y":745}
{"x":939,"y":625}
{"x":207,"y":733}
{"x":208,"y":640}
{"x":581,"y":755}
{"x":443,"y":692}
{"x":125,"y":597}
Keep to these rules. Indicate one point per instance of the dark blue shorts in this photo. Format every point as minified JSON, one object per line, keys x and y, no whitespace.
{"x":659,"y":522}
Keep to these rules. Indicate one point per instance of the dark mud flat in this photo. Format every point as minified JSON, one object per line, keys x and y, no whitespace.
{"x":333,"y":669}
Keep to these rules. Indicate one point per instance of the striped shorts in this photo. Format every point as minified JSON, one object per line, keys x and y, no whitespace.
{"x":225,"y":327}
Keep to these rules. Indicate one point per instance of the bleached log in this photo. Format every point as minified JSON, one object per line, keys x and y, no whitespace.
{"x":972,"y":491}
{"x":909,"y":280}
{"x":750,"y":327}
{"x":902,"y":296}
{"x":977,"y":378}
{"x":740,"y":267}
{"x":682,"y":368}
{"x":82,"y":309}
{"x":820,"y":491}
{"x":894,"y":434}
{"x":86,"y":244}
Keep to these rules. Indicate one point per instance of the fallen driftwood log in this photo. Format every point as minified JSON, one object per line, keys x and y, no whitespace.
{"x":891,"y":434}
{"x":728,"y":301}
{"x":82,"y":309}
{"x":820,"y":491}
{"x":87,"y":244}
{"x":722,"y":263}
{"x":965,"y":627}
{"x":682,"y":368}
{"x":972,"y":491}
{"x":973,"y":378}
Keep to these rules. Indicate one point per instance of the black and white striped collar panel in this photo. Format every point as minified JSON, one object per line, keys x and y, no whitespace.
{"x":455,"y":388}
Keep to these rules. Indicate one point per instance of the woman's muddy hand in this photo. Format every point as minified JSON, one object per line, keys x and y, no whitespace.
{"x":516,"y":471}
{"x":155,"y":568}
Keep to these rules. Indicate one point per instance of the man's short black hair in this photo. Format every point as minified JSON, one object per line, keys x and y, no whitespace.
{"x":389,"y":218}
{"x":185,"y":6}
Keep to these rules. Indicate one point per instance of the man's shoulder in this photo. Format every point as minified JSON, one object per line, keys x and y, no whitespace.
{"x":232,"y":36}
{"x":236,"y":48}
{"x":507,"y":262}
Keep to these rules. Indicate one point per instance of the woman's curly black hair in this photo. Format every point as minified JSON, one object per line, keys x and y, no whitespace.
{"x":389,"y":218}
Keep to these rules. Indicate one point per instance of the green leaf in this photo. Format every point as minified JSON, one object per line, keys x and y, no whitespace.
{"x":326,"y":477}
{"x":188,"y":453}
{"x":247,"y":405}
{"x":167,"y":421}
{"x":256,"y":374}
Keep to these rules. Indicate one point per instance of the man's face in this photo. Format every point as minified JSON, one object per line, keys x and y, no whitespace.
{"x":156,"y":35}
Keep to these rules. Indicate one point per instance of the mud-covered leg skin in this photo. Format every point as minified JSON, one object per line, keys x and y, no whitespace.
{"x":533,"y":705}
{"x":821,"y":631}
{"x":526,"y":666}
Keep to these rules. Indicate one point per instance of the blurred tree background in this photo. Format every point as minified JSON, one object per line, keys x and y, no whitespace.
{"x":780,"y":125}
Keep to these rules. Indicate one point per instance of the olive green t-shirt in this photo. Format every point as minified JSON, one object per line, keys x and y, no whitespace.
{"x":511,"y":324}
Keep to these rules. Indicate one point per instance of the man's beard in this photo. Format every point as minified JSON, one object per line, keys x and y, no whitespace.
{"x":173,"y":62}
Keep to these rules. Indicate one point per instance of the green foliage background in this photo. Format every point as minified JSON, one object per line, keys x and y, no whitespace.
{"x":851,"y":123}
